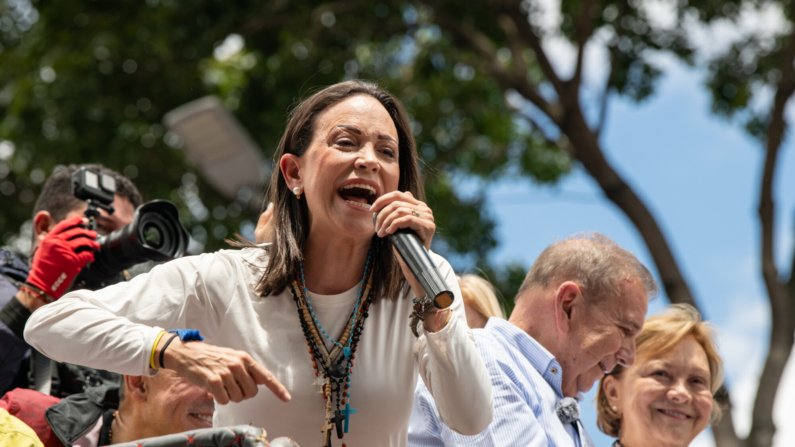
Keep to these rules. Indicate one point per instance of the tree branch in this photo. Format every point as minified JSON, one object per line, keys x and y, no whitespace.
{"x":583,"y":30}
{"x":723,"y":431}
{"x":514,"y":44}
{"x":529,"y":35}
{"x":781,"y":333}
{"x":483,"y":45}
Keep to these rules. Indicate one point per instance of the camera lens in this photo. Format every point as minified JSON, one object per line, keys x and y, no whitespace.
{"x":153,"y":235}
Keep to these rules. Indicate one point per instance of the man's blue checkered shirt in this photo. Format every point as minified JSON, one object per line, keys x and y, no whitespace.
{"x":526,"y":380}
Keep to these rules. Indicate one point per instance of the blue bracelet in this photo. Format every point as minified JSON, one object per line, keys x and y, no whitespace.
{"x":188,"y":334}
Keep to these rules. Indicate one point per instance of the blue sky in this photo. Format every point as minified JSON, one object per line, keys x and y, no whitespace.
{"x":700,"y":176}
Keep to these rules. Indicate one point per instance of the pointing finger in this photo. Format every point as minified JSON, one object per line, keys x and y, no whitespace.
{"x":262,"y":376}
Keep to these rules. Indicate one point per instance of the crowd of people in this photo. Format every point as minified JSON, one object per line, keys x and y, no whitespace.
{"x":305,"y":331}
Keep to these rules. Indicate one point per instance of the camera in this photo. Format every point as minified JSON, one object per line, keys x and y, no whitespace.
{"x":155,"y":233}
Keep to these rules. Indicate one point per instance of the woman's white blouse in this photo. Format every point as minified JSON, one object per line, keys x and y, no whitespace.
{"x":115,"y":328}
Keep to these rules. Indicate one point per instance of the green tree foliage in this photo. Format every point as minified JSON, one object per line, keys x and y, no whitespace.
{"x":85,"y":80}
{"x":90,"y":81}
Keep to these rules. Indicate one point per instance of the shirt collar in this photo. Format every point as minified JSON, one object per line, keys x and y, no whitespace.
{"x":541,"y":359}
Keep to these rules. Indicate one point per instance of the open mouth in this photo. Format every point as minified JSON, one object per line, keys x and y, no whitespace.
{"x":358,"y":194}
{"x":605,"y":370}
{"x":203,"y":418}
{"x":675,"y":414}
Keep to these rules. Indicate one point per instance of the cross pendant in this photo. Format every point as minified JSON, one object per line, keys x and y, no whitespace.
{"x":338,"y":423}
{"x":347,"y":412}
{"x":327,"y":434}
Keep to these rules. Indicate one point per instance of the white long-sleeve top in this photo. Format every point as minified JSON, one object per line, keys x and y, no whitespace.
{"x":115,"y":328}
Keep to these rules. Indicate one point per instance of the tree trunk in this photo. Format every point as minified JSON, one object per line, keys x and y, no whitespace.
{"x":723,"y":431}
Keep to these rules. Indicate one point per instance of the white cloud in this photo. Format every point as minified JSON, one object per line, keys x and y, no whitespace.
{"x":742,"y":320}
{"x":766,"y":22}
{"x":661,"y":14}
{"x":704,"y":439}
{"x":743,"y":345}
{"x":596,"y":61}
{"x":742,"y":342}
{"x":562,"y":55}
{"x":784,"y":237}
{"x":545,"y":14}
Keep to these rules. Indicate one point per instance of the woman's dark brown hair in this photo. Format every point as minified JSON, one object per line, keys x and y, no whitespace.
{"x":290,"y":215}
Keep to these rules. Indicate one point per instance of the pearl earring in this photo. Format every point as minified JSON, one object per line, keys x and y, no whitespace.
{"x":615,"y":408}
{"x":297,"y":192}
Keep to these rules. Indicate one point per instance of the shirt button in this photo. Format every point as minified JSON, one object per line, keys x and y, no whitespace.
{"x":553,"y":370}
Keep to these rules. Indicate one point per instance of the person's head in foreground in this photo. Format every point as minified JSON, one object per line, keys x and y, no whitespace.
{"x":480,"y":300}
{"x":666,"y":397}
{"x":585,"y":299}
{"x":160,"y":405}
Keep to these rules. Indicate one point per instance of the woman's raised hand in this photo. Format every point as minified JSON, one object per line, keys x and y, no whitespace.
{"x":228,"y":374}
{"x":399,"y":209}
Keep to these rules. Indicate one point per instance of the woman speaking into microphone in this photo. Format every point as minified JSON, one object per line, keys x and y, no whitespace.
{"x":320,"y":316}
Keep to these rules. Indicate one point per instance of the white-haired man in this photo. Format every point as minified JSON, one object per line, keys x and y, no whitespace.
{"x":577,"y":314}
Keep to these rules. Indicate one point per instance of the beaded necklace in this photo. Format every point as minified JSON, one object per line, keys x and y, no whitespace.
{"x":335,"y":366}
{"x":110,"y":432}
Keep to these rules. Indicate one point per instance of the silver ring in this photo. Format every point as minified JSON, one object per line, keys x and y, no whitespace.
{"x":415,"y":213}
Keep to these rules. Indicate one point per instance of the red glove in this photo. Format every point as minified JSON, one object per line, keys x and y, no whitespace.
{"x":63,"y":252}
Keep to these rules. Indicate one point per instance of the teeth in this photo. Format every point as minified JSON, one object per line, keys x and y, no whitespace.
{"x":360,"y":185}
{"x":675,"y":413}
{"x":359,"y":204}
{"x":203,"y":417}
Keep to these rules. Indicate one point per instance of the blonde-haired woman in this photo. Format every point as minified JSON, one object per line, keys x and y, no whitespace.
{"x":480,"y":300}
{"x":666,"y":397}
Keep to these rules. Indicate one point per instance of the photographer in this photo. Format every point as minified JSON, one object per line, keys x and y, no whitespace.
{"x":61,"y":247}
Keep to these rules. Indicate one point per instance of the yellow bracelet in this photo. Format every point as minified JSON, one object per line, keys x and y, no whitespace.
{"x":152,"y":356}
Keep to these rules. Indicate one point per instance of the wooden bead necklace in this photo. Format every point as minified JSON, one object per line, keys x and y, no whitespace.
{"x":336,"y":366}
{"x":110,"y":432}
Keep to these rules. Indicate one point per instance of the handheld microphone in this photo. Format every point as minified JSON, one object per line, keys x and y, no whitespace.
{"x":418,"y":260}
